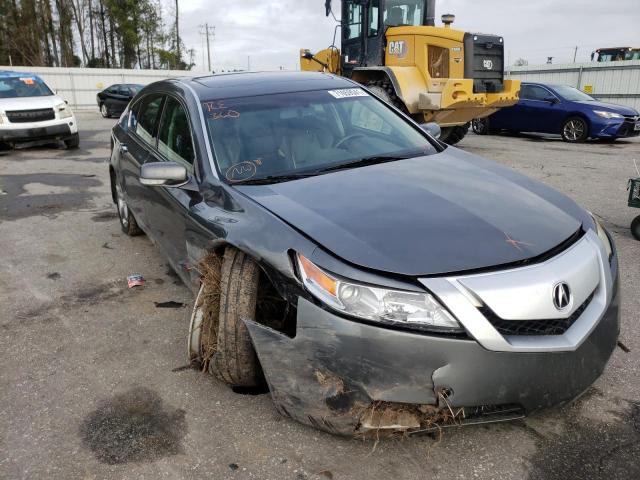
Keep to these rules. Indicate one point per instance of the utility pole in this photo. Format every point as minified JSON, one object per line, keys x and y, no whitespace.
{"x":177,"y":38}
{"x":575,"y":53}
{"x":208,"y":31}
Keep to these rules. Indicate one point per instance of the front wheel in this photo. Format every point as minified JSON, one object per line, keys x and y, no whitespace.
{"x":218,"y":338}
{"x":104,"y":111}
{"x":575,"y":130}
{"x":452,"y":135}
{"x":480,"y":126}
{"x":73,"y":142}
{"x":635,"y":228}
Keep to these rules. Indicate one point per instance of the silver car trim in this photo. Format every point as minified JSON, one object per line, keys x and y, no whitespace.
{"x":204,"y":130}
{"x":455,"y":294}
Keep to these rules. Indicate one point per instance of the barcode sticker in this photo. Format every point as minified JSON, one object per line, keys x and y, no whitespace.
{"x":348,"y":93}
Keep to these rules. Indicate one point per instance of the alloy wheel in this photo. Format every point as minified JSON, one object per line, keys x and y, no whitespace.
{"x":574,"y":130}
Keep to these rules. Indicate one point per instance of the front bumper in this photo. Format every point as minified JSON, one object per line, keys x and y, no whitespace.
{"x":334,"y":369}
{"x":28,"y":132}
{"x":615,"y":128}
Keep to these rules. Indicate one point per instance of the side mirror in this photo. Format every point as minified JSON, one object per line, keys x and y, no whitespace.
{"x":163,"y":174}
{"x":432,"y":129}
{"x":551,"y":99}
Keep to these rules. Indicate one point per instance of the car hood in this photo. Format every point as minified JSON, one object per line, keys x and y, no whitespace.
{"x":610,"y":107}
{"x":441,"y":213}
{"x":29,"y":103}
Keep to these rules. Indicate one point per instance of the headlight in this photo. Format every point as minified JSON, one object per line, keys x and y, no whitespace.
{"x":64,"y":111}
{"x":411,"y":309}
{"x":604,"y":238}
{"x":604,"y":114}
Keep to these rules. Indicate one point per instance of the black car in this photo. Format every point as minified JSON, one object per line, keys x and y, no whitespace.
{"x":372,"y":277}
{"x":113,"y":100}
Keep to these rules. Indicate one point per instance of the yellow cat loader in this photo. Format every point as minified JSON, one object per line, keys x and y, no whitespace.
{"x":435,"y":74}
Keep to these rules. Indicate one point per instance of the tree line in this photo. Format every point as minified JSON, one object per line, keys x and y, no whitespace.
{"x":91,"y":33}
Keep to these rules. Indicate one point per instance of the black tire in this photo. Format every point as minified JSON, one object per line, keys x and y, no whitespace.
{"x":127,"y":220}
{"x":635,"y":228}
{"x":385,"y":91}
{"x":235,"y":361}
{"x":453,"y":135}
{"x":481,"y":126}
{"x":73,"y":142}
{"x":575,"y":130}
{"x":104,"y":111}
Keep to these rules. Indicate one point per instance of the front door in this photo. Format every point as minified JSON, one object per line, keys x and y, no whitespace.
{"x":140,"y":139}
{"x":168,"y":208}
{"x":352,"y":35}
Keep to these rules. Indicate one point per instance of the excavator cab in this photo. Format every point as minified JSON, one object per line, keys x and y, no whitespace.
{"x":366,"y":22}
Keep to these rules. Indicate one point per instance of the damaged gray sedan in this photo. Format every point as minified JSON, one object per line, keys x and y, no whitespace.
{"x":373,"y":278}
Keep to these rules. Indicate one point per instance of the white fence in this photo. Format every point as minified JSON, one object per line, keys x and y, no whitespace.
{"x":615,"y":82}
{"x":79,"y":86}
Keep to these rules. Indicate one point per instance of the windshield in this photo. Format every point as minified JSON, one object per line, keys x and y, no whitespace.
{"x":306,"y":133}
{"x":572,"y":94}
{"x":27,"y":86}
{"x":403,"y":12}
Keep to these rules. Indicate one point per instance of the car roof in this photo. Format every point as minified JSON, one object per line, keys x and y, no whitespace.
{"x":249,"y":84}
{"x":12,"y":74}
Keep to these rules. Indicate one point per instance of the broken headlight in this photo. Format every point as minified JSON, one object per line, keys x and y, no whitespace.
{"x":411,"y":309}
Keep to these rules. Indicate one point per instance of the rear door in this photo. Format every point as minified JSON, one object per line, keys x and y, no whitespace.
{"x":168,"y":207}
{"x":141,"y":138}
{"x":120,"y":98}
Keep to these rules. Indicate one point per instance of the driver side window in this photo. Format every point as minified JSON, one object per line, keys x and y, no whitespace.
{"x":354,"y":20}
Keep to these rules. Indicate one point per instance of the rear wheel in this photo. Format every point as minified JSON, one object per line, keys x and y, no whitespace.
{"x":127,"y":221}
{"x":635,"y":228}
{"x":453,"y":135}
{"x":104,"y":111}
{"x":218,"y":338}
{"x":575,"y":130}
{"x":384,"y":90}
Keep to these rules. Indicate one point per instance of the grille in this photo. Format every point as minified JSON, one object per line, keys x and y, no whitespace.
{"x":26,"y":116}
{"x":555,"y":326}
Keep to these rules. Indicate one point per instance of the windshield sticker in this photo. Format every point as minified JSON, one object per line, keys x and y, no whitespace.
{"x":218,"y":110}
{"x":27,"y":81}
{"x":348,"y":93}
{"x":241,"y":171}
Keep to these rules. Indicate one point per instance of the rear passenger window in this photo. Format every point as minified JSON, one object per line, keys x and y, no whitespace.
{"x":174,"y":138}
{"x":147,"y":118}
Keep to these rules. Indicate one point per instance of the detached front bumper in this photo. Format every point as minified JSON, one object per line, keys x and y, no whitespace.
{"x":336,"y":370}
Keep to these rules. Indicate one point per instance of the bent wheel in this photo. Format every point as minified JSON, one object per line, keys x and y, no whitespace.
{"x":635,"y":228}
{"x":218,"y":338}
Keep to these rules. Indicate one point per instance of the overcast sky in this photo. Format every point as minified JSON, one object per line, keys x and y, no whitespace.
{"x":272,"y":31}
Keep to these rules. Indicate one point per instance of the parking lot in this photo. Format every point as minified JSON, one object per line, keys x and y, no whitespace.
{"x":94,"y":381}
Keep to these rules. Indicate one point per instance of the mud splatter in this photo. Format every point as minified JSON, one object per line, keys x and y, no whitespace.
{"x":134,"y":427}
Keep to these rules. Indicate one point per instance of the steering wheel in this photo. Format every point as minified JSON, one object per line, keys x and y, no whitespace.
{"x":348,"y":138}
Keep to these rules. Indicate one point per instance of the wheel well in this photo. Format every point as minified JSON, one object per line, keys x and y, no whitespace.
{"x":272,"y":307}
{"x":579,"y":115}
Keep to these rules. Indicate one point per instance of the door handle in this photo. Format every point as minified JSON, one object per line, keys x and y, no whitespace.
{"x":123,"y":148}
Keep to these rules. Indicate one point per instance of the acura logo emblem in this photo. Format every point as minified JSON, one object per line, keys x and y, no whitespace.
{"x":561,"y":296}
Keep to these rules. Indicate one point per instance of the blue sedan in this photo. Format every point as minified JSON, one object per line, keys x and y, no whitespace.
{"x":564,"y":110}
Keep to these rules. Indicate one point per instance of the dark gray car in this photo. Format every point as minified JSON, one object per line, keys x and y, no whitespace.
{"x":372,"y":277}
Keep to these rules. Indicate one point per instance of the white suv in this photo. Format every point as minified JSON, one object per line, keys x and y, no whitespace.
{"x":30,"y":111}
